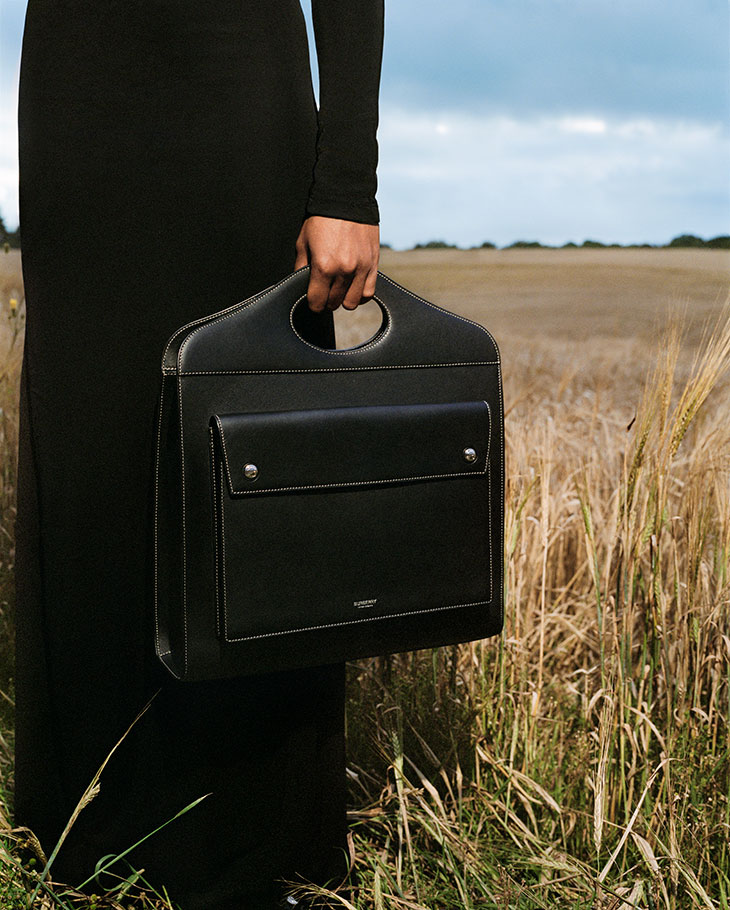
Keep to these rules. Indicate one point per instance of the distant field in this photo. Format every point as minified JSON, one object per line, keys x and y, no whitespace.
{"x":532,"y":294}
{"x":593,"y":311}
{"x":574,"y":294}
{"x":595,"y":314}
{"x":570,"y":295}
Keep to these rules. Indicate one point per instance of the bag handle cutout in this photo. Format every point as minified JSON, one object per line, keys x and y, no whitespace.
{"x":354,"y":330}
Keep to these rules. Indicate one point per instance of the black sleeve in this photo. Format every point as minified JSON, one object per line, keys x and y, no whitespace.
{"x":349,"y":39}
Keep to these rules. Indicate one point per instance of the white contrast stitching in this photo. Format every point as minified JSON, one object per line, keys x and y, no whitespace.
{"x":223,"y":557}
{"x":228,"y":313}
{"x":489,"y":536}
{"x":212,"y":317}
{"x":490,"y":558}
{"x":352,"y":483}
{"x":209,"y":321}
{"x":225,"y":451}
{"x":184,"y":524}
{"x":397,"y":366}
{"x":352,"y":622}
{"x":158,"y":644}
{"x":501,"y":491}
{"x":435,"y":306}
{"x":489,"y":433}
{"x":499,"y":383}
{"x":214,"y":489}
{"x":376,"y":339}
{"x":231,"y":311}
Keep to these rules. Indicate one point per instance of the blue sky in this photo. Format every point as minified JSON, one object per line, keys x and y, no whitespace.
{"x":553,"y":120}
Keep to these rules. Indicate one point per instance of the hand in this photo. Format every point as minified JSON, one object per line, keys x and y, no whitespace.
{"x":343,"y":258}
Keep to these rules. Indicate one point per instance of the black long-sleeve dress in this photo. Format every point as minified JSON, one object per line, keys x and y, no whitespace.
{"x":169,"y":152}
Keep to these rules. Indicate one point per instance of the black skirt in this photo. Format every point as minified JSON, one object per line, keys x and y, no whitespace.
{"x":167,"y":152}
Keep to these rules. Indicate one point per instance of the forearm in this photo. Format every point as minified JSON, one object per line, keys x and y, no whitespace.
{"x":349,"y":39}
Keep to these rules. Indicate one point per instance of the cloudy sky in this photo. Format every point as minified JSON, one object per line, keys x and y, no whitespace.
{"x":551,"y":120}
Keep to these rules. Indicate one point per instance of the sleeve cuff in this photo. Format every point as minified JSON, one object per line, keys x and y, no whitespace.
{"x":346,"y":209}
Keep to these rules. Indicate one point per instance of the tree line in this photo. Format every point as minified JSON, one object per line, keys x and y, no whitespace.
{"x":11,"y":240}
{"x":721,"y":242}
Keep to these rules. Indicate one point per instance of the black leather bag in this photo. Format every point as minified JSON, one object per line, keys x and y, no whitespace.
{"x":315,"y":505}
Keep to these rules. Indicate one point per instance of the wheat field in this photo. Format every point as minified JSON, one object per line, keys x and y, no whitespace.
{"x":582,"y":759}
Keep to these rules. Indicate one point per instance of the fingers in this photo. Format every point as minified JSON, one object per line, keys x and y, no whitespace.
{"x":354,"y":295}
{"x":362,"y":288}
{"x":330,"y":289}
{"x":318,"y":291}
{"x":339,"y":289}
{"x":343,"y":257}
{"x":368,"y":291}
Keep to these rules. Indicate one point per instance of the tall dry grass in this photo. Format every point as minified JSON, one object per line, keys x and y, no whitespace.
{"x":582,"y":759}
{"x":12,"y":321}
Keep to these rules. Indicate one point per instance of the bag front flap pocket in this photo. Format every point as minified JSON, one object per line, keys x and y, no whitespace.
{"x":335,"y":517}
{"x":342,"y":447}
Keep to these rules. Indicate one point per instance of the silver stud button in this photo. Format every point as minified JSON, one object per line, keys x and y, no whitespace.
{"x":470,"y":455}
{"x":251,"y":471}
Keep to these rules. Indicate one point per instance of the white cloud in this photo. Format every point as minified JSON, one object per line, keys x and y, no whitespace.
{"x":467,"y":178}
{"x":582,"y":125}
{"x":8,"y":166}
